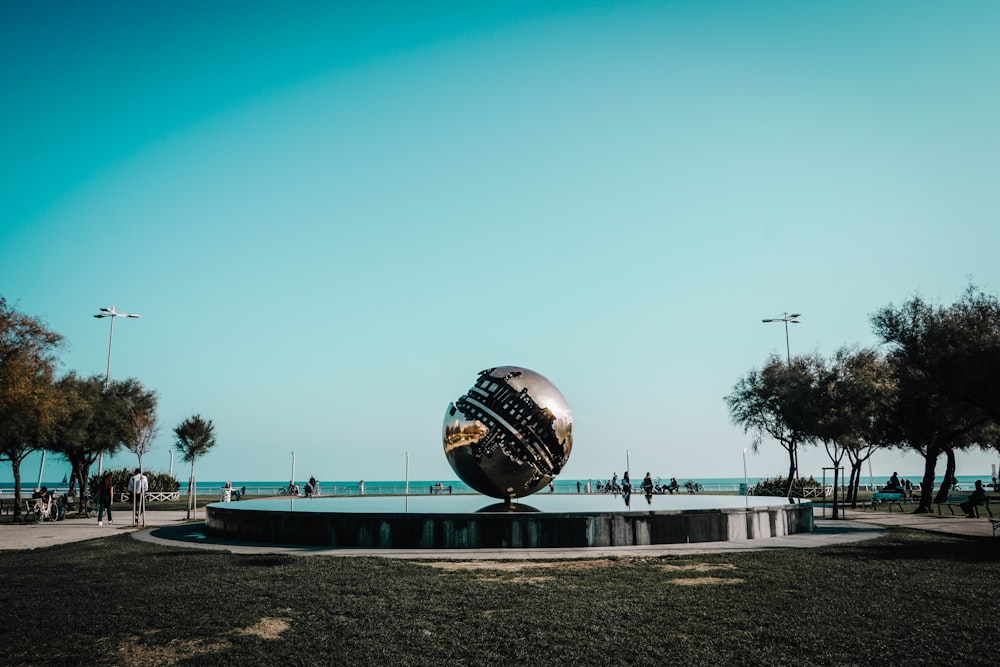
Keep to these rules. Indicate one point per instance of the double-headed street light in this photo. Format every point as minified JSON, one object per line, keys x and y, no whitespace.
{"x":786,"y":318}
{"x":112,"y":313}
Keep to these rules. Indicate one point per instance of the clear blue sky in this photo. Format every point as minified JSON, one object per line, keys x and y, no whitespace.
{"x":331,"y":216}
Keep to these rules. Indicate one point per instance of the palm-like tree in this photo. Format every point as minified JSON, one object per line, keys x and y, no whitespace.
{"x":195,"y":436}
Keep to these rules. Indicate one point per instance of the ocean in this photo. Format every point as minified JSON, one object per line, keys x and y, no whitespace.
{"x":399,"y":487}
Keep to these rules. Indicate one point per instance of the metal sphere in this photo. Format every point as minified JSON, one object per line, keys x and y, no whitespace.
{"x":510,"y":435}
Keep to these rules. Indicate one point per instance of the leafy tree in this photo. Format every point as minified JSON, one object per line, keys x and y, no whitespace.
{"x":195,"y":436}
{"x":761,"y":403}
{"x":29,"y":403}
{"x":846,"y":398}
{"x":946,"y":360}
{"x":97,"y":420}
{"x":867,"y":396}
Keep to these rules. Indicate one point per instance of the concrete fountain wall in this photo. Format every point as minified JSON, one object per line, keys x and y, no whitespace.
{"x":499,"y":530}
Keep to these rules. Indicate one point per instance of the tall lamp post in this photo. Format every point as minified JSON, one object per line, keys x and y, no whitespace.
{"x":794,"y":319}
{"x":113,"y":314}
{"x":786,"y":318}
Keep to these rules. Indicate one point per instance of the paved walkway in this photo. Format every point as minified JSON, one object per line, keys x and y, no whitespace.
{"x":170,"y":528}
{"x":17,"y":536}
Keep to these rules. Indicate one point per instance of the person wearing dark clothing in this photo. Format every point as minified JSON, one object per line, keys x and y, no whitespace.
{"x":976,"y":498}
{"x":647,"y":485}
{"x":105,"y":495}
{"x":893,"y":483}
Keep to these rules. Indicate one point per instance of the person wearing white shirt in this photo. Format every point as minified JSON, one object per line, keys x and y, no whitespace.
{"x":138,"y":485}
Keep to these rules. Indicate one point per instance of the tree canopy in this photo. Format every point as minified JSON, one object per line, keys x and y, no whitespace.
{"x":29,"y":404}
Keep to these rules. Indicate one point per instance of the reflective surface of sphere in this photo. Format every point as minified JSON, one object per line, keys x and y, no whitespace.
{"x":510,"y":435}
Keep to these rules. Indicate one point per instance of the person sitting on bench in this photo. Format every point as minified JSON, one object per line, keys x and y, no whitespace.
{"x":976,"y":498}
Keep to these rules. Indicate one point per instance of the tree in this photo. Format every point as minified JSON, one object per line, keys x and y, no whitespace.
{"x":842,"y":407}
{"x":140,"y":428}
{"x":195,"y":436}
{"x":868,"y":397}
{"x":761,"y":403}
{"x":946,"y":361}
{"x":29,"y":403}
{"x":97,"y":420}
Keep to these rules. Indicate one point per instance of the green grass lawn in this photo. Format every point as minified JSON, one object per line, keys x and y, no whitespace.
{"x":907,"y":598}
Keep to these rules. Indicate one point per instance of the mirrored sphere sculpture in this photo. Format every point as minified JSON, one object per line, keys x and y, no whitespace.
{"x":510,"y":434}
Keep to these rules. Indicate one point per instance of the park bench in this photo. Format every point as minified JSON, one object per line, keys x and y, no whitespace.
{"x":955,"y":499}
{"x":439,"y":488}
{"x":888,"y":497}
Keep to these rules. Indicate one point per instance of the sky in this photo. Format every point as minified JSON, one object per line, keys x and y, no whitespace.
{"x":332,"y":216}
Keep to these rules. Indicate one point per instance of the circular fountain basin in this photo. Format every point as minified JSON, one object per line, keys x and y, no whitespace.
{"x":479,"y":522}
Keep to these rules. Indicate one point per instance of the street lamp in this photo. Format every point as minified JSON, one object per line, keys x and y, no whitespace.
{"x":112,"y":313}
{"x":786,"y":318}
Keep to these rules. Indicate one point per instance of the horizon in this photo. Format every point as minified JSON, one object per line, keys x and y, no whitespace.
{"x":331,"y":218}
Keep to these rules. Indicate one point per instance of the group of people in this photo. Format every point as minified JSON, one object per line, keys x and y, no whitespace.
{"x":968,"y":506}
{"x":228,"y":493}
{"x":893,"y":484}
{"x":648,"y":486}
{"x":138,"y":486}
{"x":47,"y":503}
{"x":312,"y":488}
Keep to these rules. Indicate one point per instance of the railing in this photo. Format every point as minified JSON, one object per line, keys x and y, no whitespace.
{"x":153,"y":496}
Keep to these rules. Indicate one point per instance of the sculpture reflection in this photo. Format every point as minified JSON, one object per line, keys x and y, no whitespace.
{"x":516,"y":508}
{"x":510,"y":435}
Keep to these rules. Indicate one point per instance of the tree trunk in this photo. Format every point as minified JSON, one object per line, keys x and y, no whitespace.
{"x":927,"y":484}
{"x":15,"y":464}
{"x":82,"y":476}
{"x":949,"y":474}
{"x":836,"y":489}
{"x":791,"y":472}
{"x":852,"y":489}
{"x":191,"y":496}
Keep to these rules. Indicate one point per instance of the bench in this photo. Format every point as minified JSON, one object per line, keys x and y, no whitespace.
{"x":956,"y":499}
{"x":439,"y":488}
{"x":888,"y":497}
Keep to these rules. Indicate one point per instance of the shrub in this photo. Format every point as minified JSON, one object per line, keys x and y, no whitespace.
{"x":158,"y":481}
{"x":776,"y":486}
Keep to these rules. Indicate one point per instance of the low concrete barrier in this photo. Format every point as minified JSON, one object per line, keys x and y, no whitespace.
{"x":508,"y":530}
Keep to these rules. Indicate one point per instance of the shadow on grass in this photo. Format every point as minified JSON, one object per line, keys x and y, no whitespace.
{"x":913,"y":545}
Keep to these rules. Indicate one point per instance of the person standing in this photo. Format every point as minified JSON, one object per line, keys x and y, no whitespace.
{"x":647,"y":486}
{"x":105,"y":496}
{"x":138,"y":485}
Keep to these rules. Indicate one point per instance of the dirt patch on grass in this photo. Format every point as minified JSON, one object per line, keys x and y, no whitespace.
{"x":698,"y":567}
{"x":705,"y":581}
{"x":135,"y":649}
{"x":565,"y":565}
{"x":514,"y":580}
{"x":520,"y":565}
{"x":267,"y":628}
